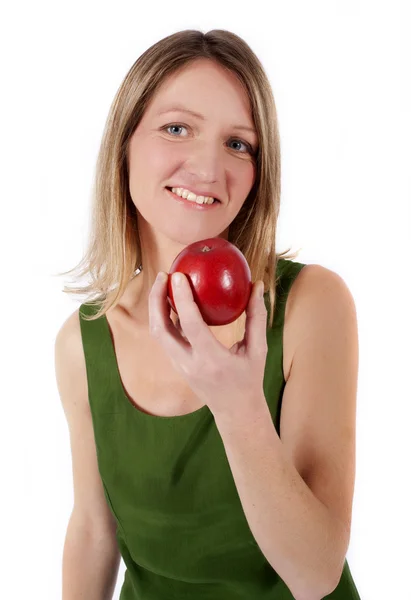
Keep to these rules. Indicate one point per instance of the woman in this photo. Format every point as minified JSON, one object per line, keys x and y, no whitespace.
{"x":178,"y":464}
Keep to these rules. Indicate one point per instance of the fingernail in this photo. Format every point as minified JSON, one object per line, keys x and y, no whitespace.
{"x":161,"y":277}
{"x":177,"y":278}
{"x":261,"y":290}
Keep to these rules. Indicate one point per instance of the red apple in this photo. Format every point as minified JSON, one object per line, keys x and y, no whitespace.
{"x":219,"y":277}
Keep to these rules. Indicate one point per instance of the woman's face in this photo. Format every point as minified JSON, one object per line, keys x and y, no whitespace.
{"x":209,"y":153}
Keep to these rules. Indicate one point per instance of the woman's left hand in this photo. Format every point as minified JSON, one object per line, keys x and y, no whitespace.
{"x":228,"y":380}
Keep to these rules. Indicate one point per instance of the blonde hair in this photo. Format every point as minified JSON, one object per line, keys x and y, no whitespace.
{"x":114,"y":249}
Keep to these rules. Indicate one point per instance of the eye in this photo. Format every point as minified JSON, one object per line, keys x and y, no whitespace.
{"x":174,"y":125}
{"x":248,"y":146}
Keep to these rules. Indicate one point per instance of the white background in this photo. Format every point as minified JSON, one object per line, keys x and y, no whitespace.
{"x":340,"y":76}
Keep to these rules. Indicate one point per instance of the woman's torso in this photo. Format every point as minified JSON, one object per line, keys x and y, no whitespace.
{"x":181,"y":528}
{"x":149,"y":379}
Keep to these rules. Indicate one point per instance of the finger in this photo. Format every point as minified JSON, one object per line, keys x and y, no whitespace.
{"x":256,"y":322}
{"x":178,"y":327}
{"x":159,"y":314}
{"x":192,"y":323}
{"x":160,"y":322}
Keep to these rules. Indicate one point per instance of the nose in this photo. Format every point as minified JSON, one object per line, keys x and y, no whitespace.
{"x":205,"y":163}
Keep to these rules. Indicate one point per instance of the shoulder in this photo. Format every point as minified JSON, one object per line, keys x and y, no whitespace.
{"x":318,"y":297}
{"x":68,"y":346}
{"x":69,"y":332}
{"x":316,"y":287}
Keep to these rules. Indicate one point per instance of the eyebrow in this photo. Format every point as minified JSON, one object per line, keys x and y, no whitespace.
{"x":178,"y":108}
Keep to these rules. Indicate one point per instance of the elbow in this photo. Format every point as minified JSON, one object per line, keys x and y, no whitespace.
{"x":328,"y":582}
{"x":311,"y":595}
{"x":318,"y":594}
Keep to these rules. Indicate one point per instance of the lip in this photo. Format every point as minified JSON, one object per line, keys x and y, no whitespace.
{"x":189,"y":204}
{"x":196,"y":192}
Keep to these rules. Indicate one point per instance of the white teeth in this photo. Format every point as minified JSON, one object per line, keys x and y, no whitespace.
{"x":192,"y":197}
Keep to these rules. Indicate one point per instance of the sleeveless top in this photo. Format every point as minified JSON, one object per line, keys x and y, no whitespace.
{"x":181,"y":529}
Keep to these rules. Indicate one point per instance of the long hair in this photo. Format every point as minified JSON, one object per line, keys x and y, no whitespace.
{"x":113,"y":253}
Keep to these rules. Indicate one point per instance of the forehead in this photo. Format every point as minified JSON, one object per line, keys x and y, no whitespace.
{"x":209,"y":91}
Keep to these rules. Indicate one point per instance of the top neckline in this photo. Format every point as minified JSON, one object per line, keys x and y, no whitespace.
{"x":132,"y":406}
{"x":130,"y":403}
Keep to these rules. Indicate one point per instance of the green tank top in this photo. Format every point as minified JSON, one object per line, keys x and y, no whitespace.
{"x":181,"y":529}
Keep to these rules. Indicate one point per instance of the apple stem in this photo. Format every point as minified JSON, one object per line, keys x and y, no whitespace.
{"x":205,"y":249}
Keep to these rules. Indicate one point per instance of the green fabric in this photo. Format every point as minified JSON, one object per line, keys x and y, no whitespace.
{"x":181,"y":528}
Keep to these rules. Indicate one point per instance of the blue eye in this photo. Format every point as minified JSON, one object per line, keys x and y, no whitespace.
{"x":169,"y":127}
{"x":249,"y":149}
{"x":179,"y":126}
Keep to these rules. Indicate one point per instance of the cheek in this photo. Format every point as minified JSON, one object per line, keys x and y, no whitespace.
{"x":157,"y":158}
{"x":151,"y":155}
{"x":243,"y":177}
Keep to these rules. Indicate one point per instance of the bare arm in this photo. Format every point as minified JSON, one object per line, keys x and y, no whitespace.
{"x":91,"y":556}
{"x":90,"y":563}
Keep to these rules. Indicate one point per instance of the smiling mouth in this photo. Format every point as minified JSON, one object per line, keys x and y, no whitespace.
{"x":170,"y":189}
